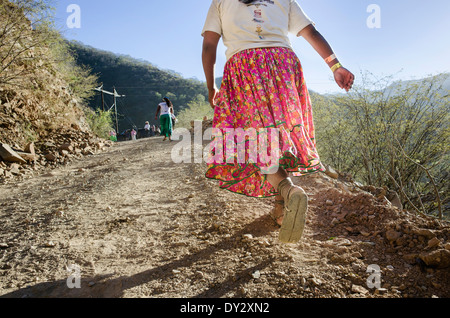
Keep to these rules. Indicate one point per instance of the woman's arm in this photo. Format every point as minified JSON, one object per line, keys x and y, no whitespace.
{"x":344,"y":78}
{"x":157,"y":112}
{"x":210,"y":43}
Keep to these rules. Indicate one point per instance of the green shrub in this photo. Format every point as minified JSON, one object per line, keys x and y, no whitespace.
{"x":100,"y":122}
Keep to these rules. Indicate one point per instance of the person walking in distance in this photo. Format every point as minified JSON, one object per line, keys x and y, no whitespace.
{"x":165,"y":111}
{"x":263,"y":87}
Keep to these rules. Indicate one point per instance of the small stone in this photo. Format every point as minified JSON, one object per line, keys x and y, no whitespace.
{"x":30,"y":148}
{"x":316,"y":281}
{"x":331,"y":172}
{"x":27,"y":156}
{"x":4,"y":246}
{"x":359,"y":289}
{"x":357,"y":255}
{"x":380,"y":291}
{"x":396,"y":202}
{"x":199,"y":274}
{"x":329,"y":202}
{"x":248,"y":236}
{"x":390,"y":267}
{"x":91,"y":284}
{"x":334,"y":222}
{"x":9,"y":155}
{"x":424,"y":232}
{"x":439,"y":258}
{"x":50,"y":157}
{"x":256,"y":275}
{"x":392,"y":235}
{"x":64,"y":153}
{"x":66,"y":147}
{"x":433,"y":242}
{"x":436,"y":285}
{"x":175,"y":271}
{"x":344,"y":242}
{"x":15,"y":169}
{"x":50,"y":244}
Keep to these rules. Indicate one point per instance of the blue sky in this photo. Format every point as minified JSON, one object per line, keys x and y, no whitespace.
{"x":412,"y":42}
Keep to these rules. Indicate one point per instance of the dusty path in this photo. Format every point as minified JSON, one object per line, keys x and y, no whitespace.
{"x":137,"y":225}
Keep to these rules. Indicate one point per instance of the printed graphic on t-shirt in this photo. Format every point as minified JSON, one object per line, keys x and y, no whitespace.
{"x":261,"y":3}
{"x":258,"y":17}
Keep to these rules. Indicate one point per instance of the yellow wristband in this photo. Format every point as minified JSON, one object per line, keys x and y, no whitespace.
{"x":335,"y":67}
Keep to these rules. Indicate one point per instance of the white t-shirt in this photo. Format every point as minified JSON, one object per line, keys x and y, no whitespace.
{"x":165,"y":110}
{"x":264,"y":23}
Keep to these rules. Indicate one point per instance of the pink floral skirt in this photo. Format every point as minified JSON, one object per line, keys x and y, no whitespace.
{"x":263,"y":107}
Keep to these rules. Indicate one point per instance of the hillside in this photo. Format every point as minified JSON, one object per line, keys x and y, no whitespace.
{"x":441,"y":84}
{"x":143,"y":84}
{"x":43,"y":119}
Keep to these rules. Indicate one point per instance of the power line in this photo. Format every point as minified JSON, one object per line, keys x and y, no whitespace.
{"x":116,"y":95}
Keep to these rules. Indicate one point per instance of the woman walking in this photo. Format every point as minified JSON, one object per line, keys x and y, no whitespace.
{"x":165,"y":110}
{"x":263,"y":88}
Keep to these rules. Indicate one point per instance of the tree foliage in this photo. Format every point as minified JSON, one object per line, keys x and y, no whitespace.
{"x":197,"y":109}
{"x":391,"y":134}
{"x":101,"y":122}
{"x":25,"y":28}
{"x":143,"y":84}
{"x":40,"y":80}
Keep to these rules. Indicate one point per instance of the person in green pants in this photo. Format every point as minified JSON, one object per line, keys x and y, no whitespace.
{"x":165,"y":111}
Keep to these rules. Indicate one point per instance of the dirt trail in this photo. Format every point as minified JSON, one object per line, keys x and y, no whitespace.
{"x":138,"y":225}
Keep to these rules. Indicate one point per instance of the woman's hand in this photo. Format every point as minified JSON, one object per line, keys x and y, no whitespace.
{"x":213,"y":94}
{"x":344,"y":78}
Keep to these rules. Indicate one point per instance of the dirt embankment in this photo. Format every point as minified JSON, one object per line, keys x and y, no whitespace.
{"x":132,"y":223}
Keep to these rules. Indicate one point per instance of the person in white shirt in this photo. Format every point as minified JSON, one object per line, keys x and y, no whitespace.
{"x":147,"y":129}
{"x":165,"y":111}
{"x":263,"y":87}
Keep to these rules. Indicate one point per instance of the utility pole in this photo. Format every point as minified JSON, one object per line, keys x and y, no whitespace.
{"x":115,"y":108}
{"x":103,"y":100}
{"x":115,"y":94}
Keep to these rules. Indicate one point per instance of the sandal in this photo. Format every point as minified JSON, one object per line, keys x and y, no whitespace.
{"x":294,"y":215}
{"x":277,"y":213}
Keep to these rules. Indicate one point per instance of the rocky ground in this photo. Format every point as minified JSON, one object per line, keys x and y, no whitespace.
{"x":133,"y":224}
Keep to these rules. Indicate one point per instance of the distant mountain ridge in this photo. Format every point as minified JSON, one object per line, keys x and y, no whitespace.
{"x":143,"y":84}
{"x":441,"y":82}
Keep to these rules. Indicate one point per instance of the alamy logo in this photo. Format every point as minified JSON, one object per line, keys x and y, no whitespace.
{"x":374,"y":280}
{"x":229,"y":146}
{"x":74,"y":20}
{"x":374,"y":20}
{"x":74,"y":280}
